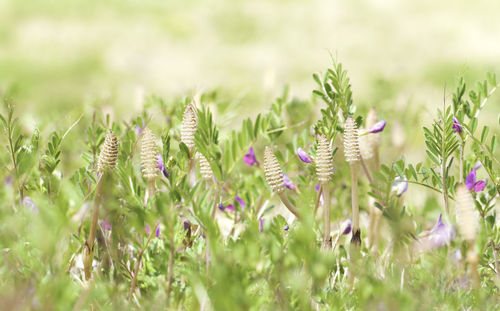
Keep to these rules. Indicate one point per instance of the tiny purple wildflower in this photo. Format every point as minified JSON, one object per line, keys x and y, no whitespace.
{"x":457,"y":127}
{"x":161,"y":167}
{"x":441,"y":234}
{"x":286,"y":228}
{"x":472,"y":184}
{"x":230,"y":207}
{"x":288,"y":182}
{"x":400,"y":185}
{"x":261,"y":224}
{"x":148,"y":232}
{"x":347,"y":225}
{"x":157,"y":231}
{"x":249,"y":158}
{"x":304,"y":157}
{"x":240,"y":200}
{"x":106,"y":225}
{"x":378,"y":127}
{"x":221,"y":207}
{"x":28,"y":202}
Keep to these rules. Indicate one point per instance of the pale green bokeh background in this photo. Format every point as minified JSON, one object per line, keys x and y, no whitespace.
{"x":61,"y":54}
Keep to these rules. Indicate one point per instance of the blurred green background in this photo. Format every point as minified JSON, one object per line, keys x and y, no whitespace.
{"x":62,"y":54}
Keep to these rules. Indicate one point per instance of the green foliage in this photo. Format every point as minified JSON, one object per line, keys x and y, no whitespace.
{"x":257,"y":257}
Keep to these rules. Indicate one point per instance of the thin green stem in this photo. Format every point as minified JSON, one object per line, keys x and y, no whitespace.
{"x":137,"y":266}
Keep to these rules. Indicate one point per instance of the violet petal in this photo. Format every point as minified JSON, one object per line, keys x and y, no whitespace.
{"x":378,"y":127}
{"x":471,"y":179}
{"x":400,"y":185}
{"x":304,"y":157}
{"x":240,"y":200}
{"x":457,"y":127}
{"x":106,"y":225}
{"x":348,"y":226}
{"x":441,"y":234}
{"x":261,"y":224}
{"x":148,"y":232}
{"x":158,"y":231}
{"x":288,"y":182}
{"x":479,"y":186}
{"x":230,"y":207}
{"x":249,"y":158}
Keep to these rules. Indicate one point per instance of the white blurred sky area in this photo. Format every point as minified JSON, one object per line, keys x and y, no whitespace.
{"x":71,"y":52}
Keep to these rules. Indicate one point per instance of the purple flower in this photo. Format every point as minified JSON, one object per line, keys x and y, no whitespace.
{"x":286,"y":228}
{"x":288,"y":183}
{"x":304,"y":157}
{"x":400,"y":185}
{"x":161,"y":167}
{"x":347,"y":225}
{"x":457,"y":127}
{"x":230,"y":207}
{"x":157,"y":231}
{"x":105,"y":225}
{"x":148,"y":232}
{"x":8,"y":180}
{"x":441,"y":234}
{"x":240,"y":200}
{"x":472,"y":184}
{"x":261,"y":224}
{"x":221,"y":207}
{"x":28,"y":203}
{"x":249,"y":158}
{"x":378,"y":127}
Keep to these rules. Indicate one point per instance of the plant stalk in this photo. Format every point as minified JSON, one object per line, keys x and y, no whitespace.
{"x":170,"y":276}
{"x":288,"y":204}
{"x":137,"y":266}
{"x":151,"y":189}
{"x":356,"y":237}
{"x":89,"y":244}
{"x":327,"y":240}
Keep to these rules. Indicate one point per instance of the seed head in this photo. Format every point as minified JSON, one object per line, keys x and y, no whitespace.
{"x":205,"y":169}
{"x":188,"y":126}
{"x":351,"y":141}
{"x":467,"y":218}
{"x":324,"y":161}
{"x":109,"y":153}
{"x":274,"y":175}
{"x":149,"y":154}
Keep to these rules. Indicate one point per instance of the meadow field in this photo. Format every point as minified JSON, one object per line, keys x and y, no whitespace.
{"x":249,"y":155}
